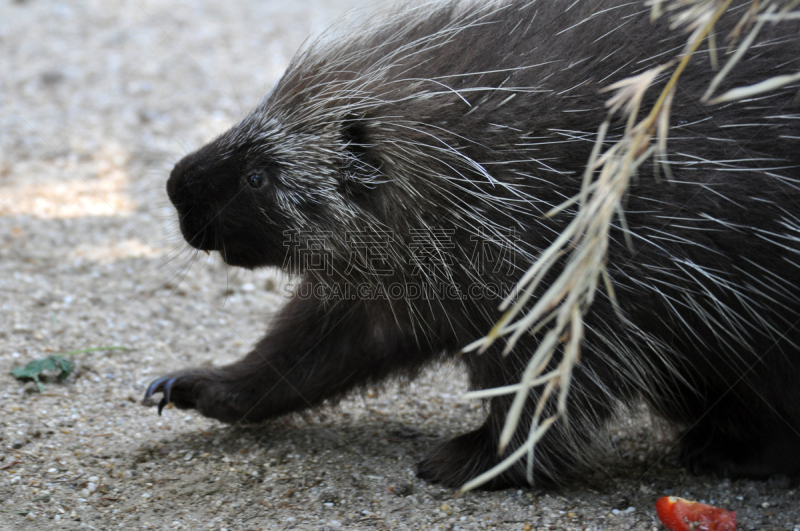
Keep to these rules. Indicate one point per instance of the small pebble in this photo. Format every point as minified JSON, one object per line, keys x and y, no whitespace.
{"x":404,"y":489}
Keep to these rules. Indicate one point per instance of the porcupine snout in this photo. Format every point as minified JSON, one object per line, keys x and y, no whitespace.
{"x":187,"y":189}
{"x":221,"y":195}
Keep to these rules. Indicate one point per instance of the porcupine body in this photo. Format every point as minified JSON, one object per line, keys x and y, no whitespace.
{"x":421,"y":152}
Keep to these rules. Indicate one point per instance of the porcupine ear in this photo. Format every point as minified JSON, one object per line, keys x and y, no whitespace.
{"x":362,"y":168}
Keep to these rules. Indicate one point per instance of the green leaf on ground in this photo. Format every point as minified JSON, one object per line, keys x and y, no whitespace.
{"x":36,"y":368}
{"x":55,"y":363}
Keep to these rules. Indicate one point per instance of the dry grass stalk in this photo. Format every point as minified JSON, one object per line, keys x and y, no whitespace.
{"x":584,"y":243}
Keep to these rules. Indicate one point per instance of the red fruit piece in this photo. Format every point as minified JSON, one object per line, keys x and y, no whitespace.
{"x":678,"y":514}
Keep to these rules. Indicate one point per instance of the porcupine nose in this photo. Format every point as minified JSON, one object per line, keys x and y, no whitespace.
{"x":177,"y":184}
{"x":195,"y":223}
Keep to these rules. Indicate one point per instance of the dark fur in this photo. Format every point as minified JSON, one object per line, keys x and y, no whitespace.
{"x":352,"y":141}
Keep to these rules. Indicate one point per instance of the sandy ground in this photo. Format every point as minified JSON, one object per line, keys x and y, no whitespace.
{"x":98,"y":100}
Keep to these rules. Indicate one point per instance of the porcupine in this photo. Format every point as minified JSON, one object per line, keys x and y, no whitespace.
{"x":406,"y":151}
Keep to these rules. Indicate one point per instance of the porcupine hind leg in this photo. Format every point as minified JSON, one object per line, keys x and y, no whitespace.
{"x":741,"y":415}
{"x":731,"y":442}
{"x":595,"y":393}
{"x":314,"y":351}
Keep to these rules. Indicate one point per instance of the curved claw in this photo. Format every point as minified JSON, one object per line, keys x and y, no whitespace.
{"x":167,"y":391}
{"x":153,"y":388}
{"x":160,"y":385}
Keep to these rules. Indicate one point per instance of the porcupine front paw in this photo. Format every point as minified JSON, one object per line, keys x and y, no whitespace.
{"x":464,"y":458}
{"x":197,"y":389}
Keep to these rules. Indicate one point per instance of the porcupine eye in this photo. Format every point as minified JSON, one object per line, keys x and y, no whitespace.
{"x":255,"y":180}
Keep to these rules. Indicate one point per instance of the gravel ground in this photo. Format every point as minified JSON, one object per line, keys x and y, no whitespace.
{"x":98,"y":100}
